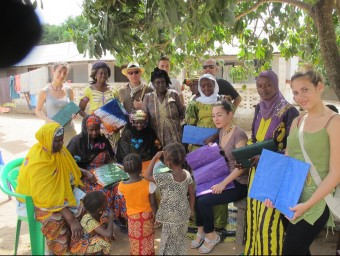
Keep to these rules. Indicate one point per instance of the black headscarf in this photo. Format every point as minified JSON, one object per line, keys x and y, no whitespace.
{"x":159,"y":73}
{"x":80,"y":149}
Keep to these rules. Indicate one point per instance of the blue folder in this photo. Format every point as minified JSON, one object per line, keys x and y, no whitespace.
{"x":64,"y":115}
{"x":279,"y":178}
{"x":196,"y":135}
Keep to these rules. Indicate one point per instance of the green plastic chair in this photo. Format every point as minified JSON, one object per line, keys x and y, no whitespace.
{"x":8,"y":180}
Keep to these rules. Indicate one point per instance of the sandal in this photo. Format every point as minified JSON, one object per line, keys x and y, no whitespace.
{"x":204,"y":249}
{"x":194,"y":244}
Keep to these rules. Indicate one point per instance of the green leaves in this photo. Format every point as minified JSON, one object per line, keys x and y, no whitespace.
{"x":189,"y":30}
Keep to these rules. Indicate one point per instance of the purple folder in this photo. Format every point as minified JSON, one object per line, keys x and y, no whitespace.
{"x":209,"y":168}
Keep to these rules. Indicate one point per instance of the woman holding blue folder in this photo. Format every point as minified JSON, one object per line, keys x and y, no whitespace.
{"x":56,"y":96}
{"x":272,"y":120}
{"x":320,"y":126}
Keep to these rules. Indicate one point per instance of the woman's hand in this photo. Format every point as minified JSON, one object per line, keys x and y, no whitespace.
{"x":90,"y":176}
{"x":254,"y":160}
{"x":298,"y":210}
{"x":218,"y":188}
{"x":268,"y":203}
{"x":76,"y":229}
{"x":238,"y":166}
{"x":111,"y":215}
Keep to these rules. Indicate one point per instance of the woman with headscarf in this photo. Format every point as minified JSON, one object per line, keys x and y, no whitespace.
{"x":97,"y":94}
{"x":48,"y":174}
{"x":199,"y":113}
{"x":192,"y":83}
{"x":272,"y":120}
{"x":165,"y":109}
{"x":138,"y":138}
{"x":91,"y":149}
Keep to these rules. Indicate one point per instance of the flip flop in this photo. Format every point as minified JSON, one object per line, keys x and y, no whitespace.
{"x":204,"y":250}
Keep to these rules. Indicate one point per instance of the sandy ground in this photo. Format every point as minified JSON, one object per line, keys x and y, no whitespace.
{"x":17,"y":136}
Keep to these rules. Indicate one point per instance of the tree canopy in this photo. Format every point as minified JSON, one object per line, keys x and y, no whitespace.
{"x":53,"y":34}
{"x":188,"y":30}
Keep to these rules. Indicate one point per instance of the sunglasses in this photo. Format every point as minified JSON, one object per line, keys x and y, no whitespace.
{"x":133,"y":72}
{"x":208,"y":66}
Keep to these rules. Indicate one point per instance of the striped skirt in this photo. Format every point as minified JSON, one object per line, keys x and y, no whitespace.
{"x":265,"y":233}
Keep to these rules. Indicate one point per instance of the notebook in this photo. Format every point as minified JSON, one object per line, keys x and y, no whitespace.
{"x":279,"y":178}
{"x":243,"y":154}
{"x":109,"y":174}
{"x":64,"y":115}
{"x":196,"y":135}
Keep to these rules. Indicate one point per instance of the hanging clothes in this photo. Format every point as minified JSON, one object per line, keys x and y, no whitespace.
{"x":24,"y":78}
{"x":12,"y":93}
{"x":37,"y":80}
{"x":4,"y":91}
{"x":17,"y":83}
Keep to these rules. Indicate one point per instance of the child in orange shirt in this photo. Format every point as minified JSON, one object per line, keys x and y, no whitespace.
{"x":141,"y":207}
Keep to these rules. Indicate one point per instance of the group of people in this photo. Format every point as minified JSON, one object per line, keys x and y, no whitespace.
{"x":51,"y":173}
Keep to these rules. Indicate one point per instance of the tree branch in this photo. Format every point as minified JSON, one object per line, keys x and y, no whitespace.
{"x":337,"y":6}
{"x":304,"y":6}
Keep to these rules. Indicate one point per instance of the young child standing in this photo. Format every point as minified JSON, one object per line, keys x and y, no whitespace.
{"x":97,"y":226}
{"x":175,"y":208}
{"x":141,"y":206}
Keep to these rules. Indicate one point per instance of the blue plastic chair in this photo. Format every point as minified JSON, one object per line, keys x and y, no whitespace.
{"x":8,"y":180}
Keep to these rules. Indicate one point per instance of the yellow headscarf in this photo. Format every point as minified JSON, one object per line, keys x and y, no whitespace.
{"x":46,"y":176}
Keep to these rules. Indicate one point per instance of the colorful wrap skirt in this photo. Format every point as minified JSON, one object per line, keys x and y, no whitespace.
{"x":141,"y":233}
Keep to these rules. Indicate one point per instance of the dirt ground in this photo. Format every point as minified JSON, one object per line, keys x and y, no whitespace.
{"x":17,"y":136}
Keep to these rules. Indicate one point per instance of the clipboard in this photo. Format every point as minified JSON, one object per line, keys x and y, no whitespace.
{"x":243,"y":154}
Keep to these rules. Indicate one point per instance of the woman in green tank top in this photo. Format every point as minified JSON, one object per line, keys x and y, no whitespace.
{"x":321,"y":128}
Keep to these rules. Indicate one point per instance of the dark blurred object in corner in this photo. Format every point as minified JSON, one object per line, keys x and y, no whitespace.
{"x":21,"y":31}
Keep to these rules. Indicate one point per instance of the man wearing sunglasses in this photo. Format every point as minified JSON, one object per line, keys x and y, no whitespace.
{"x":132,"y":94}
{"x":210,"y":67}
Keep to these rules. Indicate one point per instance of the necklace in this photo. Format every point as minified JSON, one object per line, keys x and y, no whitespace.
{"x":229,"y":130}
{"x":56,"y":88}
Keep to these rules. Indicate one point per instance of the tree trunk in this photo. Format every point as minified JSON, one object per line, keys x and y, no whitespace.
{"x":322,"y":16}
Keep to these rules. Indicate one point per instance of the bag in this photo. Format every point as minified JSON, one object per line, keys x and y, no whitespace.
{"x":243,"y":154}
{"x":333,"y":202}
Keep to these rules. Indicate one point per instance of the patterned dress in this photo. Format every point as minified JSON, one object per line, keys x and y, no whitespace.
{"x":96,"y":100}
{"x":165,"y":117}
{"x":91,"y":242}
{"x":174,"y":212}
{"x":264,"y":235}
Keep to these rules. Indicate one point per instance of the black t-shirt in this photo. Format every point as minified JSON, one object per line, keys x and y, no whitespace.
{"x":225,"y":88}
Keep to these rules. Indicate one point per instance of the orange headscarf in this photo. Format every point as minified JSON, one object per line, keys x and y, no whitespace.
{"x":47,"y":176}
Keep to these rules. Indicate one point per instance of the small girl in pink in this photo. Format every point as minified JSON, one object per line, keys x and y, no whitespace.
{"x":141,"y":207}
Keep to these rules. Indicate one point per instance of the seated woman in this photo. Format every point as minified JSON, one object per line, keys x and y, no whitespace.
{"x":48,"y":174}
{"x":198,"y":114}
{"x":138,"y":138}
{"x":230,"y":137}
{"x":91,"y":149}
